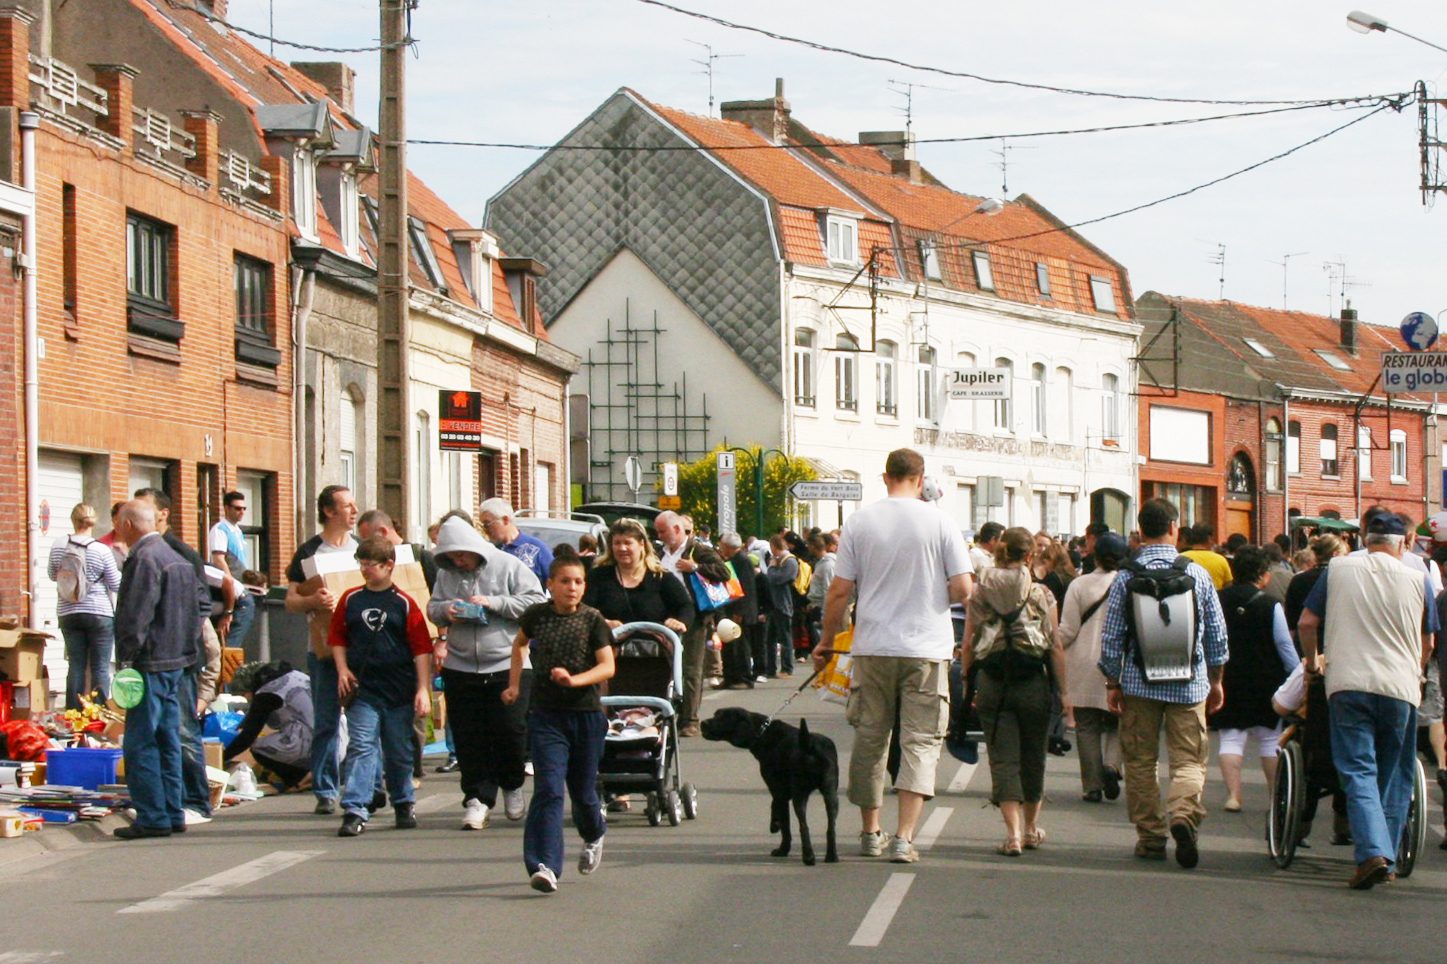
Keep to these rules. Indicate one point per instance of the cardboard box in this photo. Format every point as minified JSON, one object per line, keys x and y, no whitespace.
{"x":22,"y":654}
{"x":213,"y":753}
{"x":338,"y":572}
{"x":31,"y":697}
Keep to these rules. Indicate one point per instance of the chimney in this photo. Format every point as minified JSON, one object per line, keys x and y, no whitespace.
{"x":339,"y":80}
{"x":218,"y":7}
{"x":768,"y":117}
{"x":898,"y":146}
{"x":15,"y":58}
{"x":118,"y":81}
{"x":202,"y":125}
{"x":1349,"y":329}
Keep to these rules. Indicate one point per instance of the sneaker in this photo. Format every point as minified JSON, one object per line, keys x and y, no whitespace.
{"x":474,"y":816}
{"x":871,"y":844}
{"x":448,"y":767}
{"x":591,"y":856}
{"x":902,"y":851}
{"x":406,"y":818}
{"x":513,"y":804}
{"x":326,"y":806}
{"x":195,"y":817}
{"x":1186,"y":853}
{"x":1150,"y":851}
{"x":1111,"y":778}
{"x":352,"y":825}
{"x":690,"y":730}
{"x":761,"y":679}
{"x":528,"y":768}
{"x":544,"y":881}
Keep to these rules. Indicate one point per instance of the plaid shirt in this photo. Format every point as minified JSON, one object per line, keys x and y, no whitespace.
{"x":1210,"y":635}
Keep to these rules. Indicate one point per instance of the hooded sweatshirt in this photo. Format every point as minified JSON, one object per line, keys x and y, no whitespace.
{"x":1000,"y":591}
{"x":508,"y":584}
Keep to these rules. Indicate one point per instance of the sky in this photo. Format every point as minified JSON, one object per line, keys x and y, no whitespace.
{"x":529,"y":72}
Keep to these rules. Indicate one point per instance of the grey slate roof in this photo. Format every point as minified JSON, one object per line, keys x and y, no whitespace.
{"x":305,"y":120}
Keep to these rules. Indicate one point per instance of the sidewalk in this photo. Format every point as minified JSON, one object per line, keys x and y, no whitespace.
{"x":56,"y":838}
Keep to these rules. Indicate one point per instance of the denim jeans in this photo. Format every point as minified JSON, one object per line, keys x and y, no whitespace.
{"x":1374,"y":747}
{"x":89,"y":643}
{"x":379,"y":740}
{"x":326,"y":718}
{"x":491,"y":736}
{"x":241,"y":619}
{"x":779,"y":631}
{"x":195,"y":788}
{"x":152,"y":749}
{"x":566,"y":747}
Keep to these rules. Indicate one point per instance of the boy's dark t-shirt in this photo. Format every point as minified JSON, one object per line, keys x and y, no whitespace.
{"x":568,"y":640}
{"x":381,"y":630}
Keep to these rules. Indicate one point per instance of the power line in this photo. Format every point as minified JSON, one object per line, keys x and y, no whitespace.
{"x":258,"y":35}
{"x":877,"y":58}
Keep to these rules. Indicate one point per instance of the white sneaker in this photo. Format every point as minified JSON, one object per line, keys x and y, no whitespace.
{"x":902,"y":851}
{"x":591,"y":856}
{"x":544,"y":881}
{"x":194,"y":817}
{"x":871,"y":844}
{"x":761,"y":679}
{"x":528,"y":768}
{"x":474,"y":816}
{"x":513,"y":804}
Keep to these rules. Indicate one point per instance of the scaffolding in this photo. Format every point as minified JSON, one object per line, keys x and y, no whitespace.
{"x":631,"y":411}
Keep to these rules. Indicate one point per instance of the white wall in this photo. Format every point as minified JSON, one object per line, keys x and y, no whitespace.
{"x":440,"y":359}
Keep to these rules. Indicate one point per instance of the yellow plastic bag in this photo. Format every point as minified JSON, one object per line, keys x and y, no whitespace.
{"x":834,"y":679}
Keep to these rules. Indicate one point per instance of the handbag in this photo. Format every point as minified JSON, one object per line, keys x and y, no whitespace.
{"x":708,"y":596}
{"x":736,"y":588}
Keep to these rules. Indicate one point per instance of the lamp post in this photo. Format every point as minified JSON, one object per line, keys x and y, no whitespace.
{"x":759,"y":462}
{"x":1363,"y":22}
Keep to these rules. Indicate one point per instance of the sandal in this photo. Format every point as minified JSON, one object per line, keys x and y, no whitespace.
{"x":1033,"y":839}
{"x":1010,"y":848}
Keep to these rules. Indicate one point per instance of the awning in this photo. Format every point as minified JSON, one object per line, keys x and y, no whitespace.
{"x":824,"y":469}
{"x":1323,"y":522}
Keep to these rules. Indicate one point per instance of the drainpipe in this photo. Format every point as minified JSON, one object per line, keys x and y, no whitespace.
{"x":1286,"y":463}
{"x":303,"y":287}
{"x":29,"y":122}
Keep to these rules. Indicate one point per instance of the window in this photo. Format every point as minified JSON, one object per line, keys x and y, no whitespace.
{"x":1042,"y":510}
{"x":1329,"y":464}
{"x":1002,"y":405}
{"x":1102,"y":293}
{"x":929,"y":257}
{"x":1332,"y":359}
{"x":542,"y":486}
{"x":369,"y":207}
{"x":843,"y":240}
{"x":1364,"y":452}
{"x":258,"y":488}
{"x":983,"y":276}
{"x":846,"y":385}
{"x":69,"y":253}
{"x":1258,"y":348}
{"x":1065,"y":513}
{"x":885,"y":400}
{"x":804,"y":367}
{"x":1273,"y":455}
{"x":348,"y":226}
{"x":423,"y":254}
{"x":455,"y":480}
{"x":1239,"y":481}
{"x":963,"y":410}
{"x":1037,"y":399}
{"x":1042,"y":279}
{"x":253,"y":313}
{"x":1293,"y":448}
{"x":1063,"y":404}
{"x":149,"y":306}
{"x":925,"y":385}
{"x":422,"y":484}
{"x":304,"y":192}
{"x":1398,"y":440}
{"x":1110,"y":406}
{"x":347,"y":441}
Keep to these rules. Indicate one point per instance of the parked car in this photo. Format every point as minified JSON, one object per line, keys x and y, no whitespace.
{"x":611,"y":512}
{"x":554,"y":528}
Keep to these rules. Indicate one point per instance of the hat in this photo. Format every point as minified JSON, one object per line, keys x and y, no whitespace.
{"x":1435,"y":526}
{"x":1386,"y":524}
{"x":1111,"y":546}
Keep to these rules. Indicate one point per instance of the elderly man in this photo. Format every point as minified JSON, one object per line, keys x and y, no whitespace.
{"x":739,"y":654}
{"x":375,"y":522}
{"x":1380,"y":617}
{"x":681,"y":556}
{"x":495,"y":516}
{"x":158,"y":631}
{"x":907,"y":562}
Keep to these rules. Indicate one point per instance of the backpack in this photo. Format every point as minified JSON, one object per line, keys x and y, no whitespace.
{"x":801,"y":581}
{"x":1161,"y":614}
{"x":1016,"y":648}
{"x":72,"y":582}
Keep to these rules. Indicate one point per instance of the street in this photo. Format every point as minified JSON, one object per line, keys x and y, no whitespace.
{"x":269,"y":880}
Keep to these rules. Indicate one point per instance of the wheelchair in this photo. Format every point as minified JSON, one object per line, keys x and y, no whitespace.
{"x":1305,"y":774}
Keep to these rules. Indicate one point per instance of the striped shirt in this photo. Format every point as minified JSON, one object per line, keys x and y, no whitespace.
{"x":102,"y":575}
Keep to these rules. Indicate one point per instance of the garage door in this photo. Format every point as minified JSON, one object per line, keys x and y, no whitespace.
{"x":61,"y":488}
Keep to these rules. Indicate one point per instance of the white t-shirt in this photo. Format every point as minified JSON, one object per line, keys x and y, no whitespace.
{"x":900,"y":554}
{"x":981,"y":558}
{"x":225,"y":537}
{"x":1290,"y":695}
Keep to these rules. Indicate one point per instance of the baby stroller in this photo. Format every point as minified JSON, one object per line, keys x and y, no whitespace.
{"x":640,"y":754}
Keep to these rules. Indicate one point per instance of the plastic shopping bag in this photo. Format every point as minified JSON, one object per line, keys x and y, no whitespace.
{"x":834,"y":679}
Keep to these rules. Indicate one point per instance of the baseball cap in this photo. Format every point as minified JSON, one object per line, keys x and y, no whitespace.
{"x":1386,"y":524}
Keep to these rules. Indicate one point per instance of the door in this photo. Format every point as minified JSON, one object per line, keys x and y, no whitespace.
{"x":62,"y":487}
{"x":1238,"y":519}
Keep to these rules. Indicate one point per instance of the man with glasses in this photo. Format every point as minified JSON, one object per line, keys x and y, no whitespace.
{"x":495,"y":516}
{"x":682,"y":556}
{"x":227,"y":545}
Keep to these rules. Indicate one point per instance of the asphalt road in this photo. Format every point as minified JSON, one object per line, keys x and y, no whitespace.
{"x":270,"y":881}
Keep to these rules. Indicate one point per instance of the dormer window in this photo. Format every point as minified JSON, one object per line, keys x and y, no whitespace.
{"x":984,"y":277}
{"x":347,"y":220}
{"x":843,"y":237}
{"x":475,"y":250}
{"x":304,"y":192}
{"x":423,"y":254}
{"x":929,"y":257}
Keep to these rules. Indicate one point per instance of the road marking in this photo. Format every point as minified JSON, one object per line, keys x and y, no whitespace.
{"x":26,"y":957}
{"x":932,"y":828}
{"x":962,"y":778}
{"x":435,"y":802}
{"x":881,"y":912}
{"x":218,"y":884}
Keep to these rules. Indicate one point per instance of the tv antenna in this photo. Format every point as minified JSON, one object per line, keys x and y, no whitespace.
{"x":906,"y":89}
{"x":1285,"y":263}
{"x":1004,"y":163}
{"x":707,"y":62}
{"x":1337,"y":283}
{"x":1219,"y":259}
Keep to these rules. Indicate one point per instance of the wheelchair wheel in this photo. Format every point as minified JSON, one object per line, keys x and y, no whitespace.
{"x":1284,"y":819}
{"x":1414,"y":832}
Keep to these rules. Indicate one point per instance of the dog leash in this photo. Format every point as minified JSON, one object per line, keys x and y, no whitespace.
{"x":770,"y":720}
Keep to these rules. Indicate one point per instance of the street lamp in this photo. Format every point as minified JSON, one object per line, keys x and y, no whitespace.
{"x":1363,"y":22}
{"x":989,"y":207}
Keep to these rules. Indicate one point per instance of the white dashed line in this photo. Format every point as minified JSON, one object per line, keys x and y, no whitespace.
{"x":933,"y":827}
{"x":962,"y":778}
{"x":876,"y":921}
{"x":218,"y":884}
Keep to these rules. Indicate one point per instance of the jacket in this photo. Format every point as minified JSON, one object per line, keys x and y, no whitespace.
{"x":158,"y":610}
{"x":1080,"y":637}
{"x":823,"y":576}
{"x":508,"y":584}
{"x":745,"y":610}
{"x":781,"y":584}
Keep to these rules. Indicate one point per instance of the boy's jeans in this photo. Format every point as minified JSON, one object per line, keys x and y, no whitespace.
{"x":326,"y":718}
{"x":368,"y":723}
{"x":566,"y":745}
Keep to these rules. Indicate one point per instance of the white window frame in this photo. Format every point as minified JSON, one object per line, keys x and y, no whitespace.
{"x":1330,"y":445}
{"x":348,"y":424}
{"x":1364,"y":453}
{"x":1102,"y":294}
{"x":1110,"y":406}
{"x":1293,"y":448}
{"x":924,"y":383}
{"x":984,"y":275}
{"x":929,"y":259}
{"x":842,"y":239}
{"x":1397,"y":439}
{"x":350,"y":226}
{"x":422,"y":485}
{"x":803,"y":356}
{"x":846,"y":373}
{"x":1003,"y":408}
{"x":1272,"y":445}
{"x":423,"y":253}
{"x":1039,"y":397}
{"x":886,"y":395}
{"x":304,"y":191}
{"x":1065,"y":402}
{"x":1042,"y":279}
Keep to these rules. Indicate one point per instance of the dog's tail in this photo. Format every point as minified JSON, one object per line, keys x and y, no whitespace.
{"x":803,"y":733}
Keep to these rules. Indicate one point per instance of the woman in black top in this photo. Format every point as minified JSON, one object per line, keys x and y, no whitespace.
{"x":1325,"y":548}
{"x":628,"y":584}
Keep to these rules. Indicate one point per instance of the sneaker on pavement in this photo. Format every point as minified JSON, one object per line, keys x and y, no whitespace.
{"x":761,"y":679}
{"x":513,"y":804}
{"x":528,"y":768}
{"x":195,"y":817}
{"x":352,"y":825}
{"x":1187,"y":855}
{"x":871,"y":844}
{"x":1112,"y":783}
{"x":326,"y":806}
{"x":544,"y":881}
{"x":591,"y":856}
{"x":448,"y":767}
{"x":406,"y":818}
{"x":902,"y":851}
{"x":1150,"y":851}
{"x":474,"y":816}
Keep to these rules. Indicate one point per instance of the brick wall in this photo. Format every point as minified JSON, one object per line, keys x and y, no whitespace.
{"x":1314,"y":493}
{"x":523,"y":402}
{"x":12,"y":441}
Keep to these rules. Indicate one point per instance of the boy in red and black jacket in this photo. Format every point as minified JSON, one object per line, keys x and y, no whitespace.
{"x":383,"y":653}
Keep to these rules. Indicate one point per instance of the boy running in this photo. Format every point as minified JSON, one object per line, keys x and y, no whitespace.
{"x":384,"y":676}
{"x":572,"y":653}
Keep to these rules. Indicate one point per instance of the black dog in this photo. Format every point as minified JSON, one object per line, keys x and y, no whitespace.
{"x":793,"y":763}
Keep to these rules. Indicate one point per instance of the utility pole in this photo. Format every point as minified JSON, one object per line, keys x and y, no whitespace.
{"x":392,"y":293}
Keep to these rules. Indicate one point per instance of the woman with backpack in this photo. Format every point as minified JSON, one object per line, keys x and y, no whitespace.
{"x":1081,"y":620}
{"x":1011,"y":637}
{"x":1262,"y":656}
{"x":85,"y":575}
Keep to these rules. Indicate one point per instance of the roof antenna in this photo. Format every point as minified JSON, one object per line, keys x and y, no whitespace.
{"x":1219,"y":258}
{"x":1004,"y":163}
{"x":706,"y":62}
{"x":271,"y":31}
{"x":906,"y":89}
{"x":1285,"y":263}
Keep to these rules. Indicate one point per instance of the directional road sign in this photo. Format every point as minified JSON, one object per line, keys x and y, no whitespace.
{"x":835,"y":491}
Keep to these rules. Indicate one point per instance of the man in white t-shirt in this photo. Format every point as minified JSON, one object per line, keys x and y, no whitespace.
{"x":907,"y":562}
{"x":982,"y":553}
{"x":226,"y":550}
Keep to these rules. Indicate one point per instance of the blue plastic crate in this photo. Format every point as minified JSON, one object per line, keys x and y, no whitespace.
{"x":82,"y":767}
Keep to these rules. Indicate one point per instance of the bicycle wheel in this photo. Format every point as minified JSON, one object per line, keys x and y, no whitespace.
{"x":1414,"y":832}
{"x":1284,"y":819}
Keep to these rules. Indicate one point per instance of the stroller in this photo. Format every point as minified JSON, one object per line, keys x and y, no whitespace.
{"x":640,"y":754}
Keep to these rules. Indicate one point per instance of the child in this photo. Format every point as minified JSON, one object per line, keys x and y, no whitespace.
{"x":383,"y":654}
{"x":572,"y":653}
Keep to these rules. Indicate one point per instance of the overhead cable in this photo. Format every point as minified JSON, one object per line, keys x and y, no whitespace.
{"x":280,"y":42}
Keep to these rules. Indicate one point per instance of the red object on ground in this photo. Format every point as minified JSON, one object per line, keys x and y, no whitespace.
{"x":25,"y":741}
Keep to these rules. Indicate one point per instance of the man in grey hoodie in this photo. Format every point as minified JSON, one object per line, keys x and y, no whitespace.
{"x":479,"y":595}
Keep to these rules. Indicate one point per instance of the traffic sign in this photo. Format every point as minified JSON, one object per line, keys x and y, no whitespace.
{"x":670,"y":478}
{"x":727,"y":479}
{"x":1414,"y":371}
{"x":633,"y":473}
{"x":673,"y":502}
{"x":1419,"y":331}
{"x":835,"y":491}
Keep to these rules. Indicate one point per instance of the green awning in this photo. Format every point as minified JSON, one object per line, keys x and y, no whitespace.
{"x":1323,"y":522}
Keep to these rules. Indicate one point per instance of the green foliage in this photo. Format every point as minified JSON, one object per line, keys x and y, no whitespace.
{"x":698,"y":488}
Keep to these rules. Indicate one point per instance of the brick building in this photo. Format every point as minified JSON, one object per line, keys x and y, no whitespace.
{"x":15,"y":205}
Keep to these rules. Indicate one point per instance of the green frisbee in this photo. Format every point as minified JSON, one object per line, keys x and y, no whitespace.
{"x":127,"y":688}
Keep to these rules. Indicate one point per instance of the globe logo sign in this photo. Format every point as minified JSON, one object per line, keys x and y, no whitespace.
{"x":1419,"y":331}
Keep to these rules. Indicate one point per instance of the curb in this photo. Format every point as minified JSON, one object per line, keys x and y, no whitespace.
{"x":57,"y":838}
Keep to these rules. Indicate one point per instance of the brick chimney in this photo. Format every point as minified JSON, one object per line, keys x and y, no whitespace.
{"x":1349,"y":329}
{"x":898,"y":146}
{"x":15,"y":57}
{"x":339,"y":80}
{"x":119,"y":82}
{"x":768,"y":117}
{"x":202,"y":125}
{"x":218,"y":7}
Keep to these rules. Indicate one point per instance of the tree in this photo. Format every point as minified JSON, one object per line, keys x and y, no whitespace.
{"x":698,"y":488}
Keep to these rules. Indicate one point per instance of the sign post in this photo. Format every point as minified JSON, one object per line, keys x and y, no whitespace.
{"x":726,"y":475}
{"x":459,"y":421}
{"x":633,"y":474}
